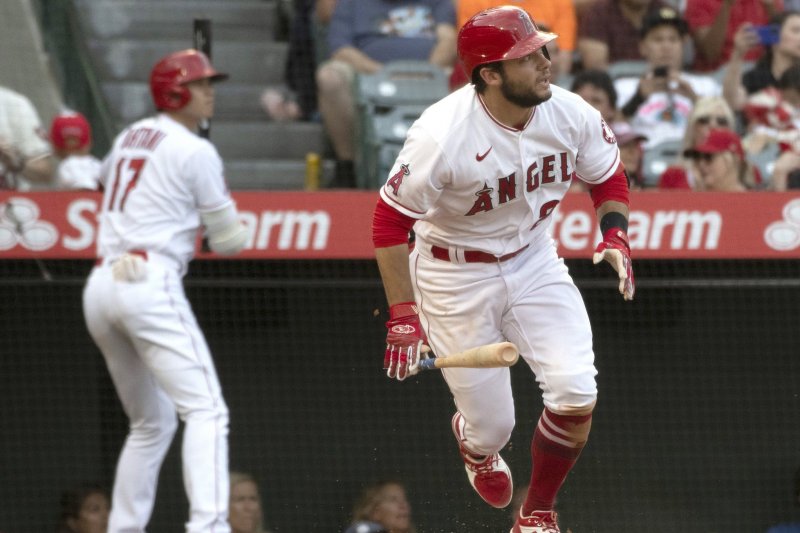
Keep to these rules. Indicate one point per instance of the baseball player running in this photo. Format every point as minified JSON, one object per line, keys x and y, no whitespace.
{"x":479,"y":175}
{"x":161,"y":182}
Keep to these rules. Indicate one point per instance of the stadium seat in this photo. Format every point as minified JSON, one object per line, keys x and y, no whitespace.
{"x":627,"y":69}
{"x":387,"y":103}
{"x":764,"y":160}
{"x":383,"y":138}
{"x":657,"y":158}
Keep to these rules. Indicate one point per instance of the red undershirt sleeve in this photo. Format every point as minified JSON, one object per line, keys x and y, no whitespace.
{"x":390,"y":227}
{"x":614,"y":188}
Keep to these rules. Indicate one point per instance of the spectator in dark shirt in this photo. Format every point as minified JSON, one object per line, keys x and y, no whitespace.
{"x":609,"y":31}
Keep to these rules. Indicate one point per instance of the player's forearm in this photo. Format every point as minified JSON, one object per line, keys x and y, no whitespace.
{"x":393,"y":266}
{"x":611,"y":206}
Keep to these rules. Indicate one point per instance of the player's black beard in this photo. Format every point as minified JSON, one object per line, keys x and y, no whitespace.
{"x":523,"y":97}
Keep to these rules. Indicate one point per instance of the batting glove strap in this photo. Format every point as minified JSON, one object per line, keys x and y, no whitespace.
{"x":403,"y":309}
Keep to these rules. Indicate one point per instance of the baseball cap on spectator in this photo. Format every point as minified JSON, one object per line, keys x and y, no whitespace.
{"x":70,"y":131}
{"x":663,"y":16}
{"x":365,"y":527}
{"x":719,"y":140}
{"x":626,"y":133}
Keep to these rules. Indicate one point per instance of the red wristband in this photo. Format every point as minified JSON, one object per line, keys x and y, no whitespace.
{"x":403,"y":309}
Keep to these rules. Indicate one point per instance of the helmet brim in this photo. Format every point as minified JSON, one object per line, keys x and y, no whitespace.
{"x":529,"y":45}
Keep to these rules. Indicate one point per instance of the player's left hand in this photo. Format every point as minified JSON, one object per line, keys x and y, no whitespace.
{"x":617,"y":252}
{"x":405,"y":341}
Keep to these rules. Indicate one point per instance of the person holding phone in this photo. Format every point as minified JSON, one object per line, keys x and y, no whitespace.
{"x":714,"y":24}
{"x":781,"y":37}
{"x":660,"y":101}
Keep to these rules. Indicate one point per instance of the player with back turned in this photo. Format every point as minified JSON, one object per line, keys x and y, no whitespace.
{"x":161,"y":184}
{"x":479,"y":175}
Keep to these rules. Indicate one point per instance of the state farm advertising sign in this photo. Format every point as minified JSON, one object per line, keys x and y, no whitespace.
{"x":337,"y":225}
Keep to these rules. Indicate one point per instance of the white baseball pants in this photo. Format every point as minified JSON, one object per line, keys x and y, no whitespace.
{"x":160,"y":364}
{"x":529,"y":300}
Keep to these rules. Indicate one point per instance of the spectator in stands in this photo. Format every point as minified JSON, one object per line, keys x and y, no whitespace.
{"x":609,"y":31}
{"x":631,"y":152}
{"x":557,"y":16}
{"x":776,"y":59}
{"x":24,"y":153}
{"x":84,"y":509}
{"x":661,"y":100}
{"x":362,"y":36}
{"x":71,"y":138}
{"x":793,"y":527}
{"x":708,"y":113}
{"x":720,"y":163}
{"x":773,"y":116}
{"x":383,"y":503}
{"x":245,"y":512}
{"x":596,"y":87}
{"x":298,"y":100}
{"x":714,"y":23}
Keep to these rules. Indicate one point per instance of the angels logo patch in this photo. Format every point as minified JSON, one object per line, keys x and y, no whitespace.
{"x":608,"y":133}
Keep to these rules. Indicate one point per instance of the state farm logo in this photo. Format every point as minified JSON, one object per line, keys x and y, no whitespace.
{"x":20,"y":224}
{"x":784,"y":235}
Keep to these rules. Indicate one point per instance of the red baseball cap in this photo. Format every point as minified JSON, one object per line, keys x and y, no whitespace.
{"x":70,"y":131}
{"x":718,"y":140}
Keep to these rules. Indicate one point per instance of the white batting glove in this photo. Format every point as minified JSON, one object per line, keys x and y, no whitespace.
{"x":129,"y":268}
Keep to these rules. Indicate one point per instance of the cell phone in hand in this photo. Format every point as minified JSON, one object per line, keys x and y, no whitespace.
{"x":661,"y":72}
{"x":768,"y":35}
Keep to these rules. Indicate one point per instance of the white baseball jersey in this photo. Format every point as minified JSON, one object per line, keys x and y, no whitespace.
{"x":474,"y":183}
{"x":157,"y":178}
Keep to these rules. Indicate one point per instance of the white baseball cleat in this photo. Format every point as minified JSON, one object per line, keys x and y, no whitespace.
{"x":536,"y":522}
{"x":489,"y":475}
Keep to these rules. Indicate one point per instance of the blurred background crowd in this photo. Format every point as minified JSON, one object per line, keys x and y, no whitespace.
{"x":702,"y":94}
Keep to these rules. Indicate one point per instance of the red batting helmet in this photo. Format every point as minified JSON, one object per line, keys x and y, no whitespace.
{"x":497,"y":34}
{"x":169,"y":75}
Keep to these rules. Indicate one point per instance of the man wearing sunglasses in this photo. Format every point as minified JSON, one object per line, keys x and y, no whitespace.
{"x":661,"y":101}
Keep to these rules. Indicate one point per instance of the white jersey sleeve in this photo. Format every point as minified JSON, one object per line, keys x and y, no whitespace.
{"x":205,"y":172}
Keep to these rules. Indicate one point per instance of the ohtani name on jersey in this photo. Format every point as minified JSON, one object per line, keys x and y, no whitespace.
{"x":549,"y":169}
{"x":146,"y":138}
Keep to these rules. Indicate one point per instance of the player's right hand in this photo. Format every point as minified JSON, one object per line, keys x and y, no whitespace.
{"x":405,"y":341}
{"x":129,"y":268}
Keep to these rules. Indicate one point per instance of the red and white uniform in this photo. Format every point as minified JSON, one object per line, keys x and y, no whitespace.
{"x":157,"y":178}
{"x":479,"y":189}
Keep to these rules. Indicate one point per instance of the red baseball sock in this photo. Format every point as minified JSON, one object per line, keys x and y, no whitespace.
{"x":557,"y":443}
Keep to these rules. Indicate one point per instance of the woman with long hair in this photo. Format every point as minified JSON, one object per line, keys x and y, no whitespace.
{"x":245,"y":514}
{"x":708,"y":113}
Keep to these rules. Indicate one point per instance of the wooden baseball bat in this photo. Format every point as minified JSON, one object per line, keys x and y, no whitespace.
{"x":487,"y":356}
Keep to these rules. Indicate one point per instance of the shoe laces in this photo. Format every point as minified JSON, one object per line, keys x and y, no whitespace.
{"x":486,"y":466}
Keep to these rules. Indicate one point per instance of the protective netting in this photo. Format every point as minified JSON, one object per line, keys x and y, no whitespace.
{"x":696,"y":427}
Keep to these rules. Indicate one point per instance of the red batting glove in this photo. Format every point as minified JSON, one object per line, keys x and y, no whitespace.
{"x":617,"y":252}
{"x":404,"y":341}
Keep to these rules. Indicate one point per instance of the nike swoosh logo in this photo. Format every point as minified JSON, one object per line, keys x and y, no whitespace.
{"x":479,"y":157}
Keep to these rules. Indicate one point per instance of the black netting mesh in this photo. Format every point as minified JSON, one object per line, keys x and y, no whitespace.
{"x":696,"y":427}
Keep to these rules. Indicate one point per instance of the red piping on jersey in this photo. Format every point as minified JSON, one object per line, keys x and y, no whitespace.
{"x":614,"y":188}
{"x":390,"y":227}
{"x":509,"y":128}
